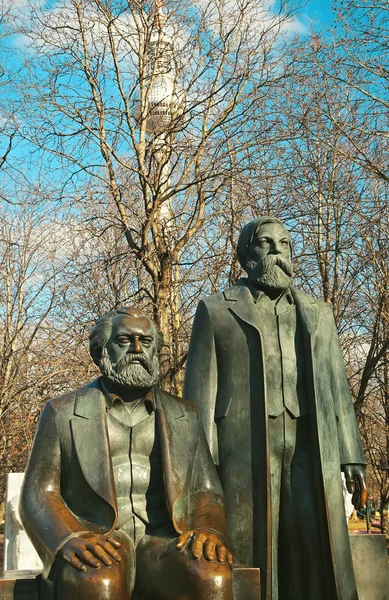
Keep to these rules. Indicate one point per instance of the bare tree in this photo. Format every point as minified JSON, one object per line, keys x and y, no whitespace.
{"x":92,"y":101}
{"x":372,"y":391}
{"x":356,"y":65}
{"x":28,"y":295}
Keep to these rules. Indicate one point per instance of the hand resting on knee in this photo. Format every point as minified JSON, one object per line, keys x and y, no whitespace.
{"x":90,"y":550}
{"x":206,"y":543}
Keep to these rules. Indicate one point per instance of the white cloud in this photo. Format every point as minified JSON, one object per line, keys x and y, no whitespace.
{"x":19,"y":8}
{"x":59,"y":26}
{"x":254,"y":15}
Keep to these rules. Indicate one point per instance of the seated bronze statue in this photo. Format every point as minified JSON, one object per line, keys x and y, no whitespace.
{"x":121,"y":498}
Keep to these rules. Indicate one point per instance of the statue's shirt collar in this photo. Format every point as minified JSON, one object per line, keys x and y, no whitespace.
{"x":283,"y":302}
{"x":128,"y":412}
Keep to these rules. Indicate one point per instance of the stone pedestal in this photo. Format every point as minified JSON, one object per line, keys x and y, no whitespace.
{"x":370,"y":561}
{"x":19,"y":553}
{"x":18,"y":585}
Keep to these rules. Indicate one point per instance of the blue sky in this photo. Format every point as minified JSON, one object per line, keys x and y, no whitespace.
{"x":314,"y":13}
{"x":319,"y":10}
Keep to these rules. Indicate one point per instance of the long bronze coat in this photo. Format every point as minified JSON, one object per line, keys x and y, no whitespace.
{"x":69,"y":483}
{"x":225,"y":378}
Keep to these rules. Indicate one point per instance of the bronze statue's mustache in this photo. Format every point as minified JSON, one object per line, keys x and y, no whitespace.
{"x":132,"y":358}
{"x":272,"y":260}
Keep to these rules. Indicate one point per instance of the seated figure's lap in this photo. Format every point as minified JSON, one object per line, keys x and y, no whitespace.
{"x":162,"y":573}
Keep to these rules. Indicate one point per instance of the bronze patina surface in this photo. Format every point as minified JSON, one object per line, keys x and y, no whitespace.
{"x":266,"y":370}
{"x":121,"y":497}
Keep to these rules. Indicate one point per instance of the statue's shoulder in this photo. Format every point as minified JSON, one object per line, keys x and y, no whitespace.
{"x":304,"y":298}
{"x":65,"y":402}
{"x":213,"y":299}
{"x":186,"y":405}
{"x":233,"y":292}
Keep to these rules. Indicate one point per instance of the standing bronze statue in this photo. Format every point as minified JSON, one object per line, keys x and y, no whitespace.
{"x":121,"y":497}
{"x":266,"y":371}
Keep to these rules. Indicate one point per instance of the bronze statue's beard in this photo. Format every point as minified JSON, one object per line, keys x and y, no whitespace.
{"x":274,"y":273}
{"x":144,"y":374}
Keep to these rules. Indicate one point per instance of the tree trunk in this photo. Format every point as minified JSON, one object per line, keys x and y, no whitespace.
{"x":161,"y":316}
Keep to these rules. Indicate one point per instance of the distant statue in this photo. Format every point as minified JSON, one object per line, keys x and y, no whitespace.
{"x":121,"y":498}
{"x":266,"y":371}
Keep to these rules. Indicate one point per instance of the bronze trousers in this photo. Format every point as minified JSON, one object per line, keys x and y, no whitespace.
{"x":155,"y":570}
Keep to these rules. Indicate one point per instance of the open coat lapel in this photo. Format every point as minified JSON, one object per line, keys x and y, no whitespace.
{"x":242,"y":303}
{"x":177,"y":446}
{"x":89,"y":427}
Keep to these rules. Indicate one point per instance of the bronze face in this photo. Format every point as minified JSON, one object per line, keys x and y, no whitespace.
{"x":130,"y":355}
{"x":130,"y":335}
{"x":269,"y":260}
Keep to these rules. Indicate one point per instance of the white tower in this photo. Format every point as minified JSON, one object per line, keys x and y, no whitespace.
{"x":160,"y":76}
{"x":161,"y":104}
